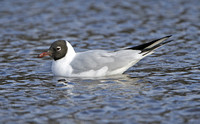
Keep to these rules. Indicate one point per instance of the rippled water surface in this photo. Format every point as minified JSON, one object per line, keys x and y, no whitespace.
{"x":162,"y":88}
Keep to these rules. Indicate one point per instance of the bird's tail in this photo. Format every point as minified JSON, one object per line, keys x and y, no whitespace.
{"x":148,"y":48}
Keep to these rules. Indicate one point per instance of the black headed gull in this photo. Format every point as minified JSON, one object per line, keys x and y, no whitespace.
{"x":96,"y":63}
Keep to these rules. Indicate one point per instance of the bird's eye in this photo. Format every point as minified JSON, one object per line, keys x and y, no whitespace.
{"x":58,"y":48}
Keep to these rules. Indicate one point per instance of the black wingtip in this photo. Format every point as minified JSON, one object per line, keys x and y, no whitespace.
{"x":168,"y":36}
{"x":144,"y":46}
{"x":156,"y":46}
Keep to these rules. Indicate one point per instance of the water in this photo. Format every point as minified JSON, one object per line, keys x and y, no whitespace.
{"x":162,"y":88}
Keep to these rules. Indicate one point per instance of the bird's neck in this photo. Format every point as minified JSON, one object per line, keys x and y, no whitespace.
{"x":70,"y":52}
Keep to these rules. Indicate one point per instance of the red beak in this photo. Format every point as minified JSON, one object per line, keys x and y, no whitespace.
{"x":44,"y":54}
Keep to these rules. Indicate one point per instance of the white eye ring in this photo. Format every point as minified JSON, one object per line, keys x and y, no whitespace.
{"x":58,"y":48}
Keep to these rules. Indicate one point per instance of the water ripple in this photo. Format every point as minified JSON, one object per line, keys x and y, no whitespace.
{"x":162,"y":88}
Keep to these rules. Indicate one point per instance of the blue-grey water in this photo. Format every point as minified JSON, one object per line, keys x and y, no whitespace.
{"x":162,"y":88}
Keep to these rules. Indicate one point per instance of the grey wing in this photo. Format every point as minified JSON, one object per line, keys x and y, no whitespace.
{"x":96,"y":59}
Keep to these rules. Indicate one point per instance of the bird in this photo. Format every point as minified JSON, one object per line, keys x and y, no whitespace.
{"x":97,"y":63}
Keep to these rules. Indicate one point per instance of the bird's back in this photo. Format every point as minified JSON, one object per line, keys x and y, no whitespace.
{"x":113,"y":62}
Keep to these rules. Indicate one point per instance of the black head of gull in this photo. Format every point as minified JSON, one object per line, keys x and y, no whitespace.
{"x":57,"y":50}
